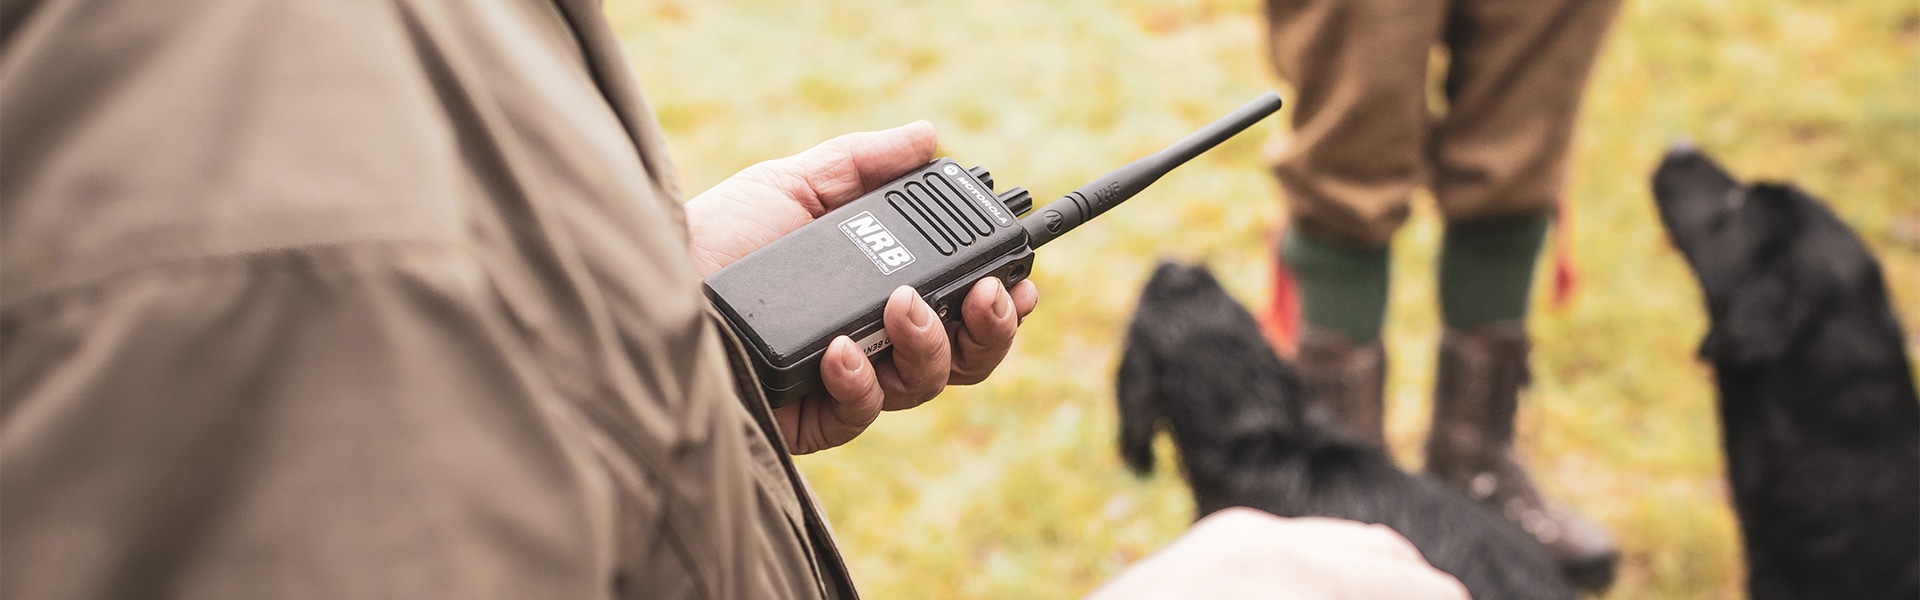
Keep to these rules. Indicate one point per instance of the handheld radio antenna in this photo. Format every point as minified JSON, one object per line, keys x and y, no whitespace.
{"x":938,"y":228}
{"x":1087,"y":202}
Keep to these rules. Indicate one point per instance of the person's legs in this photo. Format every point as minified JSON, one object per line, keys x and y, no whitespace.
{"x":1517,"y":71}
{"x":1359,"y":72}
{"x":1486,"y":269}
{"x":1341,"y":360}
{"x":1358,"y":68}
{"x":1343,"y":290}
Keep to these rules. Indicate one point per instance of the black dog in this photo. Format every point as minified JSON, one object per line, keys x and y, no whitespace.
{"x":1196,"y":360}
{"x":1817,"y":402}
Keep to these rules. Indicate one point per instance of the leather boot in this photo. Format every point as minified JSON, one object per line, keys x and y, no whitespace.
{"x":1471,"y":447}
{"x":1344,"y":382}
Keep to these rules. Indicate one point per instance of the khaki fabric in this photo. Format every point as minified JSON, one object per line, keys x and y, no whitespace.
{"x":1363,"y":134}
{"x":330,"y":299}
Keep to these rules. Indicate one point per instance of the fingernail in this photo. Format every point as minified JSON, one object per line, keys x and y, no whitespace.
{"x":849,"y":355}
{"x":920,"y":314}
{"x":1002,"y":302}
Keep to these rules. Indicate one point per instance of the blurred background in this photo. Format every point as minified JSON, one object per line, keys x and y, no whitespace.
{"x":1013,"y":488}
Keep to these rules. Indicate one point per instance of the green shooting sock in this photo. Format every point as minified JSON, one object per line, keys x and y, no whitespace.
{"x":1486,"y":269}
{"x":1342,"y":289}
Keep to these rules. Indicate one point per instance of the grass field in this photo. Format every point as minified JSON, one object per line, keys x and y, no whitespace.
{"x":1012,"y":489}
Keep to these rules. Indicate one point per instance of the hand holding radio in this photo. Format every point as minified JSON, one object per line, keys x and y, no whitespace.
{"x":765,"y":201}
{"x":940,"y":227}
{"x":827,"y":251}
{"x":770,"y":199}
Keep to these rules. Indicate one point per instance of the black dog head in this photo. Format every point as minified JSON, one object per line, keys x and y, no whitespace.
{"x":1196,"y":358}
{"x":1769,"y":257}
{"x":1818,"y":410}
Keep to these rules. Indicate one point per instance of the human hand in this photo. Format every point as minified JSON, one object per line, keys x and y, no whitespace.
{"x":1245,"y":553}
{"x":767,"y":200}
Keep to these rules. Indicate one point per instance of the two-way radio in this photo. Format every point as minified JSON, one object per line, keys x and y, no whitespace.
{"x":939,"y":228}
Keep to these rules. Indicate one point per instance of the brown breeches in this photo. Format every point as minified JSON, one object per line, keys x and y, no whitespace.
{"x":1364,"y":137}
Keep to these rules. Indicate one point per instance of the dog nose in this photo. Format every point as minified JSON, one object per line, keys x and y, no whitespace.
{"x":1681,"y":148}
{"x":1174,"y":274}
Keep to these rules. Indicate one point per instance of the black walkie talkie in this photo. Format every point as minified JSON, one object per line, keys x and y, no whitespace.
{"x":939,"y":229}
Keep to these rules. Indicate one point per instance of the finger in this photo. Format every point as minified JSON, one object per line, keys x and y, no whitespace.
{"x":769,"y":199}
{"x":921,"y":358}
{"x":989,"y":322}
{"x":860,"y":162}
{"x":1026,"y":297}
{"x":843,"y":168}
{"x":849,"y":401}
{"x":855,"y":388}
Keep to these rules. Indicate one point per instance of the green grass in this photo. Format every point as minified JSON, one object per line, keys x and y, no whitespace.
{"x":1012,"y":489}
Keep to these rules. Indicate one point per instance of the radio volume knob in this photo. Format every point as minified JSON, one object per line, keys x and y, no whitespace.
{"x":981,"y":174}
{"x":1017,"y":200}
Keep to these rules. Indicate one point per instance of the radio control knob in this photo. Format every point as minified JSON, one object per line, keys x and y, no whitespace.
{"x":981,"y":174}
{"x":1018,"y":200}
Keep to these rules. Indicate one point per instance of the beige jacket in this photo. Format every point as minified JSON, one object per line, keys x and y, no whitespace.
{"x":363,"y":299}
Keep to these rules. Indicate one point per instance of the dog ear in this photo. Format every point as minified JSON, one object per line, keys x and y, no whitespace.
{"x":1759,"y":323}
{"x":1772,"y":303}
{"x":1139,"y":412}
